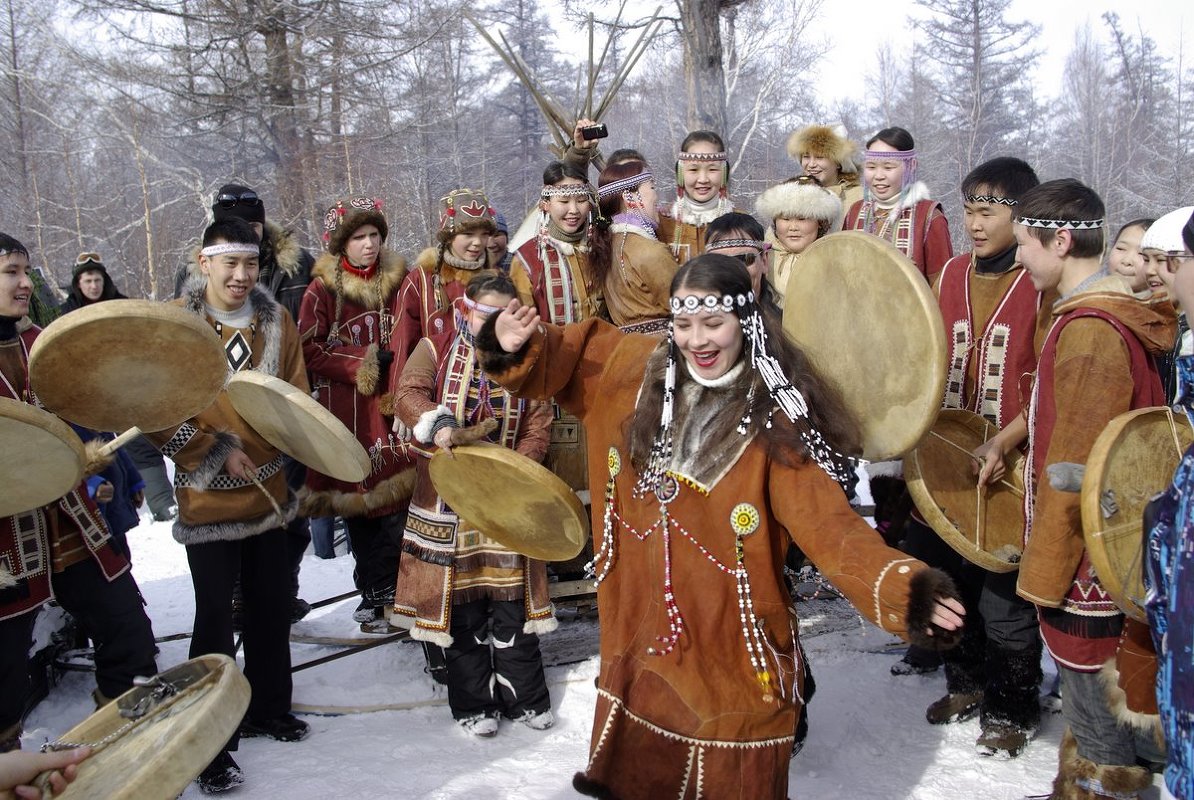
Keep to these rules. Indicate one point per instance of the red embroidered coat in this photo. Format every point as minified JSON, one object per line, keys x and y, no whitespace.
{"x":25,"y":537}
{"x":992,"y":324}
{"x":919,"y":231}
{"x":346,"y":378}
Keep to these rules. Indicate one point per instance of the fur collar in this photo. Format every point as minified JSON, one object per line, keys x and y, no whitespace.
{"x":269,"y":319}
{"x":703,"y":415}
{"x":288,"y":253}
{"x":623,"y":227}
{"x":360,"y":291}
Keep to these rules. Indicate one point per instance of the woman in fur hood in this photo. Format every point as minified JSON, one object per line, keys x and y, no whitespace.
{"x":800,"y":211}
{"x":896,"y":207}
{"x":346,"y":323}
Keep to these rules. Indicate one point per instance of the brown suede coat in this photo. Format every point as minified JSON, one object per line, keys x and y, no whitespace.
{"x":638,"y":286}
{"x":698,"y":717}
{"x":200,"y":446}
{"x":1092,"y":384}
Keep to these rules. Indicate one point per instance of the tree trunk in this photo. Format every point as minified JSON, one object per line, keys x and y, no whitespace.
{"x":700,"y":28}
{"x":282,"y":117}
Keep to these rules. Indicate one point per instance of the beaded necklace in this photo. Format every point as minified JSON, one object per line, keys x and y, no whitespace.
{"x":744,"y":520}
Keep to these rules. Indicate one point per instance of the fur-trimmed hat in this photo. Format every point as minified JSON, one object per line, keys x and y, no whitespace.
{"x":463,"y":210}
{"x":348,"y":214}
{"x":830,"y":142}
{"x":801,"y":197}
{"x":1166,"y":233}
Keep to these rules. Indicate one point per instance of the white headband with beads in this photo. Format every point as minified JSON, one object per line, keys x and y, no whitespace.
{"x":695,"y":304}
{"x":230,"y":249}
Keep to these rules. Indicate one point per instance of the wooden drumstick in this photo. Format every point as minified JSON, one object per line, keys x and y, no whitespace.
{"x":1009,"y":486}
{"x":120,"y":441}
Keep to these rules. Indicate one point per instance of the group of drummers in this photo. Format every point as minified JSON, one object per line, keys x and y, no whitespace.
{"x":644,"y":353}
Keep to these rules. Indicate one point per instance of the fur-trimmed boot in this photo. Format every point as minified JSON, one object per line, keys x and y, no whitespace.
{"x":1011,"y":709}
{"x":1079,"y":778}
{"x":965,"y":676}
{"x":10,"y":738}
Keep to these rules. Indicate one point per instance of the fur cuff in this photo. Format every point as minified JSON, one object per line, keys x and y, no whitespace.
{"x":494,"y":359}
{"x":213,"y":460}
{"x":424,"y":429}
{"x":544,"y":625}
{"x":924,"y":589}
{"x":6,"y":578}
{"x":368,"y":372}
{"x":387,"y":406}
{"x":391,"y":494}
{"x":591,"y":788}
{"x":234,"y":531}
{"x":97,"y":462}
{"x":440,"y":638}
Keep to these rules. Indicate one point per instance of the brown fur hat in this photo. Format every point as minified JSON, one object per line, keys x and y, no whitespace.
{"x":347,"y":215}
{"x":823,"y":140}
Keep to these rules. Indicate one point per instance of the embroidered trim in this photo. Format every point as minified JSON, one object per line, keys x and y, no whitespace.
{"x":179,"y":440}
{"x":887,"y":155}
{"x":685,"y":156}
{"x":677,"y":737}
{"x":224,"y":482}
{"x":567,"y":190}
{"x":879,"y":585}
{"x":1061,"y":224}
{"x":989,"y":198}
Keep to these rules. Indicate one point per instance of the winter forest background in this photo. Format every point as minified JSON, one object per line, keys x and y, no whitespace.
{"x":121,"y":117}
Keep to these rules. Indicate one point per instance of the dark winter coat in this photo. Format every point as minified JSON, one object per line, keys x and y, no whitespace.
{"x":121,"y":512}
{"x":76,"y":299}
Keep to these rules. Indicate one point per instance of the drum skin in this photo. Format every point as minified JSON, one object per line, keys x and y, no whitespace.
{"x":512,"y":499}
{"x":869,"y":323}
{"x":44,"y":458}
{"x":169,"y":746}
{"x":1133,"y":459}
{"x":295,"y":423}
{"x":984,"y":525}
{"x":124,"y":363}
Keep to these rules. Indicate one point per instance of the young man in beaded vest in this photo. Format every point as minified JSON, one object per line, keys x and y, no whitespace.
{"x":1095,"y":364}
{"x":232,"y":529}
{"x":994,"y":322}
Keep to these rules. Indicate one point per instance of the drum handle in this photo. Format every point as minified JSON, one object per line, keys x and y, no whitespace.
{"x":120,"y":441}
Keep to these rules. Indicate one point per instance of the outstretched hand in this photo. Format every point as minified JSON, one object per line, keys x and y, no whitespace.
{"x":18,"y":770}
{"x":515,"y":324}
{"x":948,"y":613}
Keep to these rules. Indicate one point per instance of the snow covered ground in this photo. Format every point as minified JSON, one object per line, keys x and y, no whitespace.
{"x":868,"y":737}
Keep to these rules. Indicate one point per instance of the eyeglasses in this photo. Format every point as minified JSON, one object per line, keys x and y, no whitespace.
{"x":88,"y":258}
{"x":1173,"y":261}
{"x":249,"y":198}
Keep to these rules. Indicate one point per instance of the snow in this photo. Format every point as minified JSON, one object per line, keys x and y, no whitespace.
{"x":868,"y":737}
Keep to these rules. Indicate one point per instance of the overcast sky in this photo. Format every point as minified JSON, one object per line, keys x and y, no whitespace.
{"x":871,"y":22}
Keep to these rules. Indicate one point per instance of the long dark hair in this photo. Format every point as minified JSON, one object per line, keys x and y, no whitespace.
{"x":722,"y":275}
{"x":602,"y":254}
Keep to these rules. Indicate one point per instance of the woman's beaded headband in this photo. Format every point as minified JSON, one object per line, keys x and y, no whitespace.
{"x":683,"y":156}
{"x":695,"y":304}
{"x":567,"y":190}
{"x":624,"y":185}
{"x":888,"y":155}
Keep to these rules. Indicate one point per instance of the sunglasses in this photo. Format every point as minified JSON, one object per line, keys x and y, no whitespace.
{"x":747,"y":259}
{"x":233,"y":200}
{"x":88,"y":258}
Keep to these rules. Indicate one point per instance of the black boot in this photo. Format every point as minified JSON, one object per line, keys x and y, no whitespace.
{"x":221,"y":775}
{"x":1011,"y":708}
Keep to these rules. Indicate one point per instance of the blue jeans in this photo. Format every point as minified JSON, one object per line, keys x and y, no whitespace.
{"x":1101,"y":737}
{"x":323,"y":535}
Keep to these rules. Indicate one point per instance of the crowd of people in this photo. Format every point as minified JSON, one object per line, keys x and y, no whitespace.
{"x":636,"y":349}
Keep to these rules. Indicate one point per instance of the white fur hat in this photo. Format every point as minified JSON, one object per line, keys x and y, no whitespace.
{"x":804,"y":198}
{"x":1166,"y":233}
